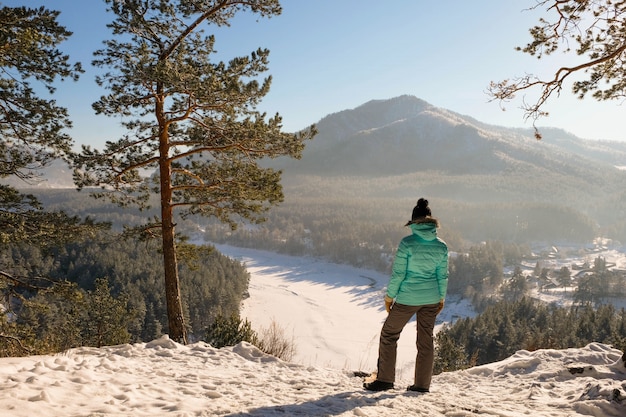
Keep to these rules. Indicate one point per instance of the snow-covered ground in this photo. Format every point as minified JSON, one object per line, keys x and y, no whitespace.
{"x":334,"y":313}
{"x":162,"y":378}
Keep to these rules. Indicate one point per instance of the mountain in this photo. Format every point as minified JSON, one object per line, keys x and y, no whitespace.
{"x":405,"y":134}
{"x":57,"y":174}
{"x":493,"y":182}
{"x":487,"y":181}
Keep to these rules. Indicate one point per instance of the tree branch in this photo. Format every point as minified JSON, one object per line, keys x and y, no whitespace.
{"x":15,"y":340}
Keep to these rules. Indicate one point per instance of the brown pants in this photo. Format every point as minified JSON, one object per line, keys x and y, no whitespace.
{"x":396,"y":320}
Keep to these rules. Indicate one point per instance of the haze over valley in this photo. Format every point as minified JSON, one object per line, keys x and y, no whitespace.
{"x":484,"y":182}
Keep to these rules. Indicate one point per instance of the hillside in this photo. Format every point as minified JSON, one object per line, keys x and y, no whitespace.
{"x":405,"y":135}
{"x":485,"y":181}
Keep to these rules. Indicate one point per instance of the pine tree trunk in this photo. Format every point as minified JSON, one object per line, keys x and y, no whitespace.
{"x":176,"y":321}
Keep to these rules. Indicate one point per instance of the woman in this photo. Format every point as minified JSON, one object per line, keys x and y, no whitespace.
{"x":418,"y":285}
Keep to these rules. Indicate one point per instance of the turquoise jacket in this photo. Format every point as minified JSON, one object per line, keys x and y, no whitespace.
{"x":420,"y":269}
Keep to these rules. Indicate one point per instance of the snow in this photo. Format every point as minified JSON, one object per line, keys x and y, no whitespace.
{"x":334,"y":313}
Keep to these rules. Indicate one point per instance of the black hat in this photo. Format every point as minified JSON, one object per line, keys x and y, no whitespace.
{"x":421,"y":210}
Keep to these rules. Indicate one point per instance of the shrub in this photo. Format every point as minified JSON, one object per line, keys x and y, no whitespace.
{"x":229,"y":331}
{"x":272,"y":340}
{"x":449,"y":355}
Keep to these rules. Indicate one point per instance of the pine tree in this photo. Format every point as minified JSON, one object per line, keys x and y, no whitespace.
{"x":32,"y":134}
{"x":595,"y":29}
{"x":191,"y":120}
{"x":106,"y":317}
{"x":31,"y":127}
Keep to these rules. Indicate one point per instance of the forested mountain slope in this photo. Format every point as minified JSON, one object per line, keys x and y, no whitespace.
{"x":487,"y":182}
{"x":405,"y":135}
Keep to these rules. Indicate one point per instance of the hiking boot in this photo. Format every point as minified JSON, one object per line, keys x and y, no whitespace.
{"x":415,"y":388}
{"x":378,"y":385}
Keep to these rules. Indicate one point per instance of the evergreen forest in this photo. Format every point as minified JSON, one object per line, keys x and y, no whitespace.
{"x":506,"y":327}
{"x":109,"y":290}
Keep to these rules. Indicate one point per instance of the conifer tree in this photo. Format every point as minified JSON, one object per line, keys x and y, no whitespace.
{"x":31,"y":127}
{"x":192,"y":121}
{"x":32,"y":133}
{"x":595,"y":29}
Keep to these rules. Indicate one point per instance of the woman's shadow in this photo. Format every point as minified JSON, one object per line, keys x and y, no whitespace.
{"x":328,"y":405}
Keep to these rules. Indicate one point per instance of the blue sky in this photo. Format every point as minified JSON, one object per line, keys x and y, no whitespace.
{"x":331,"y":55}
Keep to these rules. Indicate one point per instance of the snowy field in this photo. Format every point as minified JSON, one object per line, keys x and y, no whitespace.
{"x":334,"y":313}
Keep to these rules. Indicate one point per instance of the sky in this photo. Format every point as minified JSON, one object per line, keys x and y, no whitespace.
{"x":332,"y":55}
{"x":163,"y":378}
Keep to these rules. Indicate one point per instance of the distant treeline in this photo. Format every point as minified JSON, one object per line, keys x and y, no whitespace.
{"x":366,"y":233}
{"x":356,"y":218}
